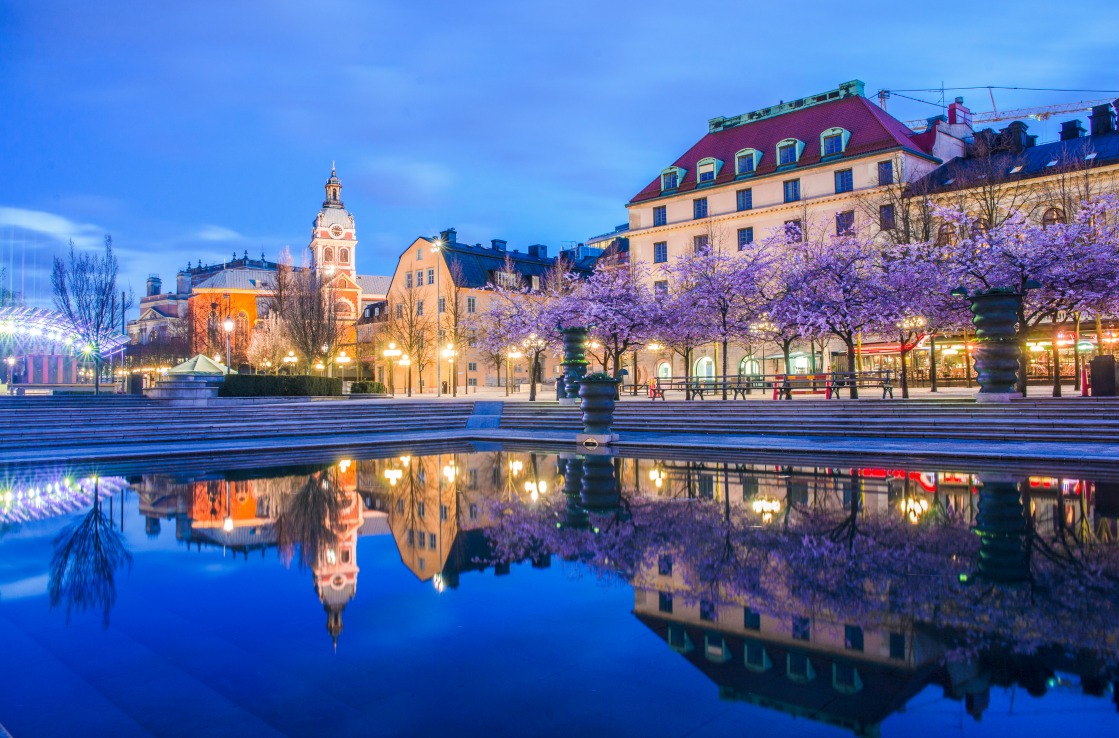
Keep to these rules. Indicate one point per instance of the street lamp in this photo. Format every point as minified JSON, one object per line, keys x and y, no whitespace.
{"x":391,"y":353}
{"x":437,"y":248}
{"x":449,"y":355}
{"x":406,"y":362}
{"x":509,"y":356}
{"x":291,"y":359}
{"x":227,"y":324}
{"x":342,"y":359}
{"x":325,"y":357}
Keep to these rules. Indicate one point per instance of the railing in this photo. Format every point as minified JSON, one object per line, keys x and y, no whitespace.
{"x":779,"y":386}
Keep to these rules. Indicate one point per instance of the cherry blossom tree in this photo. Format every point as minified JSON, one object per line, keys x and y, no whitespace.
{"x":618,"y":305}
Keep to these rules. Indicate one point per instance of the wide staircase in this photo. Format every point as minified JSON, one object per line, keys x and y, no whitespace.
{"x":1071,"y":420}
{"x":61,"y":428}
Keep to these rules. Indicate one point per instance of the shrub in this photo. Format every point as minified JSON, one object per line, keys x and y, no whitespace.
{"x":367,"y":388}
{"x":271,"y":385}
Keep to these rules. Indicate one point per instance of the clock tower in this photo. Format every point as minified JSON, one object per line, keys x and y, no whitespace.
{"x":333,"y":242}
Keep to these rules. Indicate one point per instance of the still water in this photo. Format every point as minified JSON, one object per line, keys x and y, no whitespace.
{"x":509,"y":592}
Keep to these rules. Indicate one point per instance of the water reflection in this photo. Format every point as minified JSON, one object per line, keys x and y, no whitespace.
{"x":832,"y":593}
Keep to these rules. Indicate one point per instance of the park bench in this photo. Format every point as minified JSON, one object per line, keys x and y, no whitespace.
{"x":879,"y":379}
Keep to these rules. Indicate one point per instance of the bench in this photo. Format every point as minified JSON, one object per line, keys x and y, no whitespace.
{"x":882,"y":379}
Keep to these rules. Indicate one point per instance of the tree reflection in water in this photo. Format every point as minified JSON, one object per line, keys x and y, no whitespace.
{"x":982,"y":593}
{"x":83,"y":567}
{"x":309,"y":516}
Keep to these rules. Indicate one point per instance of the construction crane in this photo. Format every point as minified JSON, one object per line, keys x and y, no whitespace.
{"x":1041,"y":112}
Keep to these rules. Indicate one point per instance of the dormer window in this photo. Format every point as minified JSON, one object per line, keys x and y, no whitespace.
{"x":671,"y":178}
{"x":789,"y":151}
{"x":833,"y":141}
{"x":707,"y":170}
{"x":746,"y":161}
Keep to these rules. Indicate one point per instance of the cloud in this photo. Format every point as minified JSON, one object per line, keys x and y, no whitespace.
{"x":53,"y":226}
{"x":217,"y":233}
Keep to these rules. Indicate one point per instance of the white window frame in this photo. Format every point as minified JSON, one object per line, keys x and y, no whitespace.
{"x":797,"y":151}
{"x":680,"y":174}
{"x":844,"y":137}
{"x":709,"y":163}
{"x":753,"y":153}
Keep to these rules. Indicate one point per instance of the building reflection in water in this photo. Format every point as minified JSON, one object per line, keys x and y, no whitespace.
{"x":840,"y":594}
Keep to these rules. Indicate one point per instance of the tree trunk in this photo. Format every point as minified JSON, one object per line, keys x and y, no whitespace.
{"x":1024,"y":356}
{"x":932,"y":362}
{"x":786,"y":351}
{"x":1099,"y":335}
{"x":687,"y":374}
{"x":409,"y":381}
{"x":532,"y":378}
{"x":724,"y":367}
{"x":634,"y":367}
{"x":1056,"y":360}
{"x":967,"y":359}
{"x":1076,"y":352}
{"x":850,"y":341}
{"x":904,"y":372}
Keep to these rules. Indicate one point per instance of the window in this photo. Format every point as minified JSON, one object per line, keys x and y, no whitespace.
{"x":707,"y":170}
{"x":399,"y":310}
{"x":506,"y":279}
{"x":534,"y":283}
{"x":421,"y":509}
{"x":442,"y":304}
{"x":946,"y":235}
{"x":431,"y":540}
{"x":671,"y":177}
{"x":886,"y":220}
{"x":472,"y":511}
{"x":745,"y":199}
{"x":700,"y":244}
{"x":664,"y":565}
{"x":799,"y":668}
{"x":660,"y":252}
{"x":344,"y":256}
{"x":793,"y":231}
{"x":408,"y":281}
{"x":420,"y":254}
{"x":832,"y":144}
{"x":897,"y":645}
{"x":443,"y":512}
{"x":751,"y":619}
{"x":419,"y":277}
{"x":419,"y":307}
{"x":788,"y":151}
{"x":746,"y":161}
{"x":800,"y":629}
{"x":660,"y":289}
{"x":660,"y":215}
{"x":853,"y":637}
{"x":1053,"y":216}
{"x":844,"y":222}
{"x":756,"y":657}
{"x":471,"y":304}
{"x":664,"y":603}
{"x":699,"y":207}
{"x":745,"y":237}
{"x":411,"y":537}
{"x":885,"y":172}
{"x":792,"y":190}
{"x":471,"y":366}
{"x":708,"y":611}
{"x":431,"y":276}
{"x":844,"y":181}
{"x":328,"y":255}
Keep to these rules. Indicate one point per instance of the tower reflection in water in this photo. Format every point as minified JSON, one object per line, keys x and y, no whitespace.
{"x":832,"y":593}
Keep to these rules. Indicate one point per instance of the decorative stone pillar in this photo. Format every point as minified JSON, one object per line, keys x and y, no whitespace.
{"x":574,"y":362}
{"x":600,"y":489}
{"x":575,"y":516}
{"x":1002,"y":527}
{"x":997,"y":351}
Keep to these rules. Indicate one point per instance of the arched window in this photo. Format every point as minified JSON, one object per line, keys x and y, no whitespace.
{"x":344,"y":256}
{"x":705,"y":368}
{"x":241,"y":324}
{"x":327,"y":255}
{"x":153,"y":335}
{"x":946,"y":235}
{"x":664,"y":370}
{"x":343,"y":309}
{"x":707,"y":170}
{"x":749,"y":365}
{"x":833,"y":141}
{"x":746,"y":161}
{"x":1052,"y":216}
{"x":789,"y":151}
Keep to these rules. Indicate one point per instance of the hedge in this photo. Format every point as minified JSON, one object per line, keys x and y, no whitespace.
{"x":367,"y":388}
{"x":275,"y":385}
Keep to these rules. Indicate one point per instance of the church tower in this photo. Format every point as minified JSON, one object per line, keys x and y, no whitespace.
{"x":333,"y":241}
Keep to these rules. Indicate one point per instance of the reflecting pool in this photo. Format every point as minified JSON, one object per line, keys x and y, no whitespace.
{"x":506,"y":591}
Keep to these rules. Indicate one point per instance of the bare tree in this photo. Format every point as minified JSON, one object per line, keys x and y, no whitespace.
{"x":267,"y":345}
{"x":305,"y":301}
{"x":453,"y":317}
{"x":85,"y":292}
{"x":412,"y":328}
{"x":901,"y":209}
{"x":8,"y":296}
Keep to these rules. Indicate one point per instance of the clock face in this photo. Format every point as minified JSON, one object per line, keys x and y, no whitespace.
{"x":336,"y":231}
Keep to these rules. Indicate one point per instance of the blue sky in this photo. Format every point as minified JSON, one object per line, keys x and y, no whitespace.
{"x":193,"y":130}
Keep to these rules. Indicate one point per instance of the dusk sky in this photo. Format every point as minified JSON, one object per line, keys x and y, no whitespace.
{"x":194,"y":130}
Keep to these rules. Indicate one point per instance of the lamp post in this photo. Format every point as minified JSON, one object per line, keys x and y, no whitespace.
{"x":509,"y":356}
{"x":326,"y":357}
{"x":406,"y":363}
{"x":449,"y":355}
{"x":437,"y":248}
{"x":290,"y":360}
{"x":391,"y":353}
{"x":342,"y":359}
{"x":227,"y":324}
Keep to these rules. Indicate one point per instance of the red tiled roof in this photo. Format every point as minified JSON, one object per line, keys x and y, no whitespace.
{"x":872,"y":129}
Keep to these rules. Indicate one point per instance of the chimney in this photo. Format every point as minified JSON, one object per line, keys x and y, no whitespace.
{"x":958,"y":113}
{"x":154,"y":285}
{"x":1015,"y":138}
{"x":1071,"y":129}
{"x":539,"y":250}
{"x":449,"y":236}
{"x":497,"y":244}
{"x":182,"y":283}
{"x":1102,"y":120}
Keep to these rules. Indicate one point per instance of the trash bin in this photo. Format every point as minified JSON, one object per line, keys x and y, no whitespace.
{"x":135,"y":384}
{"x":1104,"y":377}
